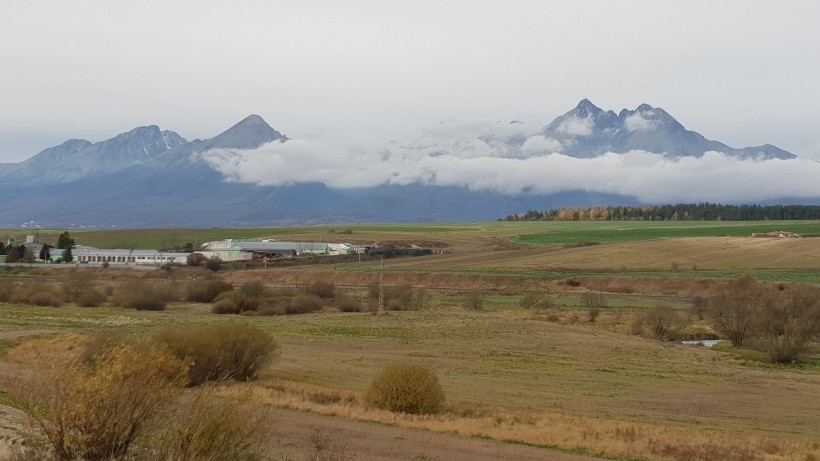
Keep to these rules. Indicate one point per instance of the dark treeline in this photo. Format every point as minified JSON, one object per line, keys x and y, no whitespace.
{"x":679,"y":212}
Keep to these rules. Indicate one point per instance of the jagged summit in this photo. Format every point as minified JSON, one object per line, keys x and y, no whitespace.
{"x":250,"y":133}
{"x":589,"y":131}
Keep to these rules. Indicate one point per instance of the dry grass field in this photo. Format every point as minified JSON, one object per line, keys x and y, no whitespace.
{"x":552,"y":385}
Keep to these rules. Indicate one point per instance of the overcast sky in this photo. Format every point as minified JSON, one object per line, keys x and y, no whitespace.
{"x":741,"y":72}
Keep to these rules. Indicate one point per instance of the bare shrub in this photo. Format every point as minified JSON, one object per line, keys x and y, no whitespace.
{"x":218,"y":352}
{"x":421,"y":299}
{"x":214,"y":264}
{"x":233,"y":302}
{"x":536,"y":300}
{"x":325,"y":447}
{"x":733,"y":312}
{"x":406,"y":388}
{"x":593,"y":300}
{"x":95,"y":412}
{"x":662,"y":321}
{"x":322,"y":289}
{"x":253,"y":290}
{"x":552,"y":317}
{"x":304,"y":303}
{"x":140,"y":295}
{"x":77,"y":283}
{"x":474,"y":300}
{"x":346,"y":304}
{"x":44,"y":298}
{"x":211,"y":428}
{"x":92,"y":298}
{"x":36,"y":293}
{"x":787,"y":323}
{"x":205,"y":291}
{"x":399,"y":297}
{"x":5,"y":292}
{"x":699,"y":307}
{"x":593,"y":313}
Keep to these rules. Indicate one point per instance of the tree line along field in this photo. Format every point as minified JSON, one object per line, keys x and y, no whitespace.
{"x":583,"y":373}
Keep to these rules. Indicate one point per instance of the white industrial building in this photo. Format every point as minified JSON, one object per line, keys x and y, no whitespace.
{"x":241,"y":250}
{"x":84,"y":255}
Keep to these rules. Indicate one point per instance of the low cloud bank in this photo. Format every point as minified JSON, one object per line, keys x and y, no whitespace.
{"x":513,"y":161}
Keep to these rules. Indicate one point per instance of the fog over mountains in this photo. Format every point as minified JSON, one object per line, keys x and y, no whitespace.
{"x":253,"y":175}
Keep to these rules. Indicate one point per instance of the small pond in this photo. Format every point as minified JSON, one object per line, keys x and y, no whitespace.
{"x":704,"y":342}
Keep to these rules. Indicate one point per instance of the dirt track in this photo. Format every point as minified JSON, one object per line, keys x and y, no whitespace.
{"x":296,"y":433}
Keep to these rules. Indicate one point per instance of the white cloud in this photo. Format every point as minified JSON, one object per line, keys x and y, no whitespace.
{"x":540,"y":144}
{"x":575,"y":126}
{"x":650,"y":177}
{"x":637,"y":122}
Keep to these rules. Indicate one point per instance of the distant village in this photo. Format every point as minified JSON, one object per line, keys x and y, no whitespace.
{"x":229,"y":250}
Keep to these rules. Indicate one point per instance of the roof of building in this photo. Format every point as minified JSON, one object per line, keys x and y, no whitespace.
{"x":122,"y":252}
{"x":277,"y":246}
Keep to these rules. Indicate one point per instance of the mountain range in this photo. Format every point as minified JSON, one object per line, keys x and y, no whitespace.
{"x":148,"y":177}
{"x":588,"y":131}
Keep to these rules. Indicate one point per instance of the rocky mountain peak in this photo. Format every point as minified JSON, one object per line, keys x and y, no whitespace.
{"x":250,"y":133}
{"x":588,"y":131}
{"x":586,"y":107}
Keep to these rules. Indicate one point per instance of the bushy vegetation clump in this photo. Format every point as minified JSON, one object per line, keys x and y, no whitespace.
{"x":304,"y":303}
{"x":36,"y":293}
{"x":118,"y":401}
{"x":218,"y":352}
{"x":322,"y":289}
{"x":141,"y":295}
{"x":210,"y":427}
{"x":96,"y":411}
{"x":401,"y":297}
{"x":783,"y":319}
{"x":205,"y":291}
{"x":233,"y":302}
{"x":406,"y":388}
{"x":91,"y":298}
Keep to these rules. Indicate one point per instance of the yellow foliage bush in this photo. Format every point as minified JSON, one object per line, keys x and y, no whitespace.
{"x":406,"y":388}
{"x":95,"y":411}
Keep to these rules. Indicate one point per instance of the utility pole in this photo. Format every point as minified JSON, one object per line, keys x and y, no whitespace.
{"x":380,"y":311}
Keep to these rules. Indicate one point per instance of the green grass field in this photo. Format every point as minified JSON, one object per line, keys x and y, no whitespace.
{"x":627,"y":231}
{"x":541,"y":232}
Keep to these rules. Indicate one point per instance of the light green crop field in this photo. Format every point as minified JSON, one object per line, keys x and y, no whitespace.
{"x":538,"y":232}
{"x":625,"y":231}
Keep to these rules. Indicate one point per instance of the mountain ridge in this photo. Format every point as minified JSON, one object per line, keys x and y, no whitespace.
{"x":588,"y":131}
{"x":148,"y":177}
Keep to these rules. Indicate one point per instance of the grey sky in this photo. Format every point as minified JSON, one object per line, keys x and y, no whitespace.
{"x":741,"y":72}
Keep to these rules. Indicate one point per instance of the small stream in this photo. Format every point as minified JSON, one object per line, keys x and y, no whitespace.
{"x":704,"y":342}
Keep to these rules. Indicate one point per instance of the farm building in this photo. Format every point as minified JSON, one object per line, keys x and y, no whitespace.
{"x":778,"y":234}
{"x":96,"y":255}
{"x":238,"y":250}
